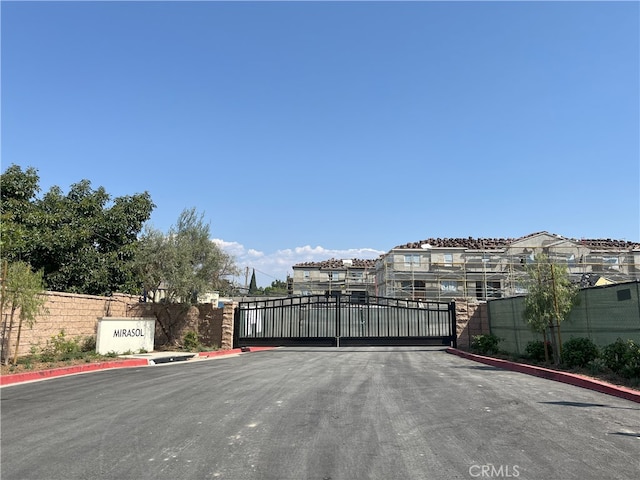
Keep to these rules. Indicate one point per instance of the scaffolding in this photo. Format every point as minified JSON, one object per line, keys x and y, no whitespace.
{"x":489,"y":274}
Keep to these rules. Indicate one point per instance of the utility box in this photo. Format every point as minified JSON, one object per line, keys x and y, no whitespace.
{"x":125,"y":334}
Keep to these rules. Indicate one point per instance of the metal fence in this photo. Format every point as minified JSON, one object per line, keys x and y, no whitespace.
{"x":344,"y":319}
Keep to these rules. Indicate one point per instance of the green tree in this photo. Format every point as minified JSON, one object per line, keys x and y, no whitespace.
{"x":21,"y":291}
{"x":253,"y":286}
{"x":17,"y":194}
{"x":550,"y":298}
{"x":277,"y":287}
{"x":177,"y":266}
{"x":84,"y":241}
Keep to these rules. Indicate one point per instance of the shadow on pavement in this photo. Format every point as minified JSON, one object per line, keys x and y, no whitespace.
{"x":583,"y":405}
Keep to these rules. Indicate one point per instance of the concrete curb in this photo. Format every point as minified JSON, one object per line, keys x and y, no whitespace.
{"x":58,"y":372}
{"x":89,"y":367}
{"x":564,"y":377}
{"x":217,"y":353}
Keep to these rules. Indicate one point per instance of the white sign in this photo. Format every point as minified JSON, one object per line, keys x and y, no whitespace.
{"x":122,"y":335}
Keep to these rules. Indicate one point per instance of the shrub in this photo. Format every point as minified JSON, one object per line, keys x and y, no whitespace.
{"x":191,"y":342}
{"x":59,"y":347}
{"x":623,"y":358}
{"x":578,"y":352}
{"x":597,"y":366}
{"x":89,"y":344}
{"x":614,"y":355}
{"x":535,"y":350}
{"x":485,"y":344}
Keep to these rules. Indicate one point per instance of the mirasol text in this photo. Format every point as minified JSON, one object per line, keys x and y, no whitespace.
{"x":128,"y":332}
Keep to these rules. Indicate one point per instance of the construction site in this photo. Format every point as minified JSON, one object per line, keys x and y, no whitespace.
{"x":482,"y":269}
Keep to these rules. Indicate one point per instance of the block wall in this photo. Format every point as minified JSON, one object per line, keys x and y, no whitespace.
{"x":214,"y":326}
{"x":76,"y":314}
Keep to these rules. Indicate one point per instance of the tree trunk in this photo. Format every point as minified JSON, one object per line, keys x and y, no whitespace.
{"x":6,"y":351}
{"x":15,"y":355}
{"x":554,"y":343}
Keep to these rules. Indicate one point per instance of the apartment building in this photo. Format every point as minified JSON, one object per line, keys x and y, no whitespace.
{"x":481,"y":268}
{"x":486,"y":268}
{"x":345,"y":276}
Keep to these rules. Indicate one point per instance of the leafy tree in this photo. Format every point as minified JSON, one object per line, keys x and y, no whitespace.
{"x":16,"y":208}
{"x":21,"y":291}
{"x":550,"y":298}
{"x":175,"y":267}
{"x":277,"y":287}
{"x":84,"y":242}
{"x":183,"y":262}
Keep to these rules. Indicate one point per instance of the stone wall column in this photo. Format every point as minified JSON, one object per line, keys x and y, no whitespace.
{"x":472,"y":319}
{"x":227,"y":326}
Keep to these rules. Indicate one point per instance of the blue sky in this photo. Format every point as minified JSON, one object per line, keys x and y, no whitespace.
{"x":310,"y":130}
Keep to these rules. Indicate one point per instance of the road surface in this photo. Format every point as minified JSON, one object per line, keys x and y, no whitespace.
{"x":325,"y":413}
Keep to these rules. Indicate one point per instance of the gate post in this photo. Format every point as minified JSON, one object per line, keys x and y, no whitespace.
{"x":338,"y":320}
{"x":230,"y":326}
{"x":454,"y":324}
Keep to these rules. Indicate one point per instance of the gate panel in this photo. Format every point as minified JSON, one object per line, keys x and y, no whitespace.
{"x":344,"y":320}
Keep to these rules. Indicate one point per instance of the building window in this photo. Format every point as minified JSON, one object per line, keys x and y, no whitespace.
{"x":449,"y":286}
{"x":412,"y":259}
{"x":494,"y":290}
{"x":611,"y":263}
{"x":356,"y":276}
{"x":333,"y":276}
{"x":306,"y":274}
{"x":448,"y":260}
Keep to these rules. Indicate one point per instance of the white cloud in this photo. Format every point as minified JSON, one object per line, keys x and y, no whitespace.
{"x":277,"y":265}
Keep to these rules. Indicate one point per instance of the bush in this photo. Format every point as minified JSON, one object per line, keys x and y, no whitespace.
{"x":89,"y":344}
{"x":597,"y":366}
{"x":535,"y":350}
{"x":578,"y":352}
{"x":59,"y":347}
{"x":485,"y":344}
{"x":191,"y":342}
{"x":623,"y":358}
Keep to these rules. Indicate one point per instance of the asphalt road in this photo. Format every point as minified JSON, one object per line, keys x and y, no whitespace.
{"x":295,"y":413}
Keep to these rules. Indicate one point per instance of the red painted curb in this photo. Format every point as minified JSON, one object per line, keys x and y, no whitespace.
{"x":57,"y":372}
{"x":134,"y":362}
{"x":564,"y":377}
{"x":232,"y":351}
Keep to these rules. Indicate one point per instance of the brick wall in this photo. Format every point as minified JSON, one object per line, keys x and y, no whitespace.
{"x":78,"y":316}
{"x":214,"y":326}
{"x":472,"y":318}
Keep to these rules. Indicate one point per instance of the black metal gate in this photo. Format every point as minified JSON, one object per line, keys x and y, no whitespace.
{"x":344,"y":320}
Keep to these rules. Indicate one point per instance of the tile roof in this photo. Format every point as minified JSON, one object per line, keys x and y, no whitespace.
{"x":471,"y":244}
{"x":490,"y":243}
{"x":337,"y":264}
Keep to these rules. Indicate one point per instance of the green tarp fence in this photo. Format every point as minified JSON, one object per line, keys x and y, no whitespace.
{"x":603,"y":314}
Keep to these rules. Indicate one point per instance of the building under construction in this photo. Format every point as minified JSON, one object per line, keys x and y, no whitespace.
{"x":485,"y":268}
